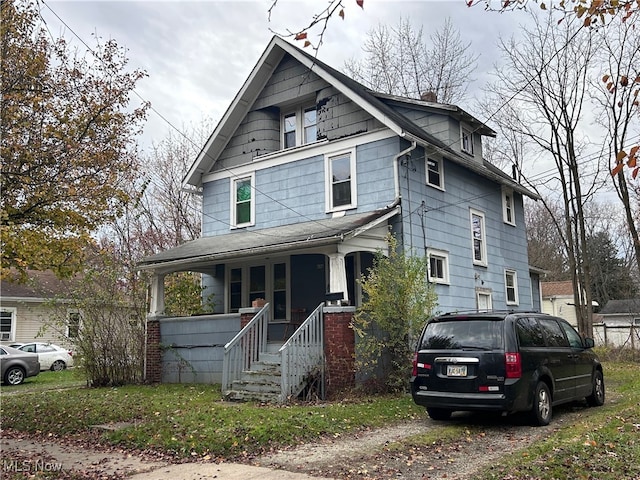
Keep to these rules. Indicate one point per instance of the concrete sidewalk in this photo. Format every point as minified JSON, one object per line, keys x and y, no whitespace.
{"x":226,"y":471}
{"x":29,"y":456}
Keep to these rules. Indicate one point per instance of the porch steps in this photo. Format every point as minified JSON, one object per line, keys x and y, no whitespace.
{"x":262,"y":383}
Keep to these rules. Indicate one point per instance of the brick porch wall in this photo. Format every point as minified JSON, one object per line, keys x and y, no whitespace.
{"x":153,"y":362}
{"x":339,"y":349}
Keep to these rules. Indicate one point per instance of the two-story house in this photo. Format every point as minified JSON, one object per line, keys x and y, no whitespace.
{"x":308,"y":170}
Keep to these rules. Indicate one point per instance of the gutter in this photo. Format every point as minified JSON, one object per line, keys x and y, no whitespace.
{"x":396,"y":166}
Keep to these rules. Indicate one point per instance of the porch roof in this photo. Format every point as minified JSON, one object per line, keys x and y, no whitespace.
{"x":243,"y":243}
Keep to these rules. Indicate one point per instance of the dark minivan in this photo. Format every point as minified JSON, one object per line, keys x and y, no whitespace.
{"x":504,"y":362}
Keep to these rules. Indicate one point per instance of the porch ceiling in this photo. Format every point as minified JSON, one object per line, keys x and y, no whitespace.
{"x":243,"y":243}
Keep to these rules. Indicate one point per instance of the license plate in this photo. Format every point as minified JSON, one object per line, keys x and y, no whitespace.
{"x":456,"y":370}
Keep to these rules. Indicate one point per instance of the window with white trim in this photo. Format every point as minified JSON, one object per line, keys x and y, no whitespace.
{"x":242,"y":202}
{"x":73,"y":325}
{"x":435,"y":174}
{"x":299,"y":127}
{"x":438,"y":266}
{"x":466,"y":140}
{"x":7,"y":324}
{"x":508,"y":212}
{"x":478,"y":238}
{"x":484,"y":301}
{"x":511,"y":286}
{"x":341,"y":181}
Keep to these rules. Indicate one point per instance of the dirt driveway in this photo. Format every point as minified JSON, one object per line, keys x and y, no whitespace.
{"x":386,"y":453}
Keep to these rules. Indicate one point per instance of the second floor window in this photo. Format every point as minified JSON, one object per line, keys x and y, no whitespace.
{"x":299,"y":127}
{"x":438,"y":266}
{"x":434,"y":173}
{"x":243,"y":206}
{"x":478,"y":236}
{"x":511,"y":285}
{"x":341,"y":182}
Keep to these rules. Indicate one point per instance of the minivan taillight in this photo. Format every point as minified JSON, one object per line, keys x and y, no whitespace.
{"x":513,"y":365}
{"x":414,"y":370}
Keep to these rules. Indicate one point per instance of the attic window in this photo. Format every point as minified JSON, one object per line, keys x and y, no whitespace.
{"x":466,"y":139}
{"x":299,"y":127}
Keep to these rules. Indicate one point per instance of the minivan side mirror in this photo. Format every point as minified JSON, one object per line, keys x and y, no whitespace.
{"x":589,"y":343}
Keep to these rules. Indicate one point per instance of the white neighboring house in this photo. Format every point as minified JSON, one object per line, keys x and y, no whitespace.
{"x":618,"y":323}
{"x":557,"y":300}
{"x":25,"y":310}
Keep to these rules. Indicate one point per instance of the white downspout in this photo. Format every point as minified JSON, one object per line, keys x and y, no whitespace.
{"x":396,"y":168}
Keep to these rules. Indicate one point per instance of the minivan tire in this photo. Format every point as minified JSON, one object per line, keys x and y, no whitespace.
{"x":542,"y":410}
{"x":596,"y":399}
{"x":439,"y":413}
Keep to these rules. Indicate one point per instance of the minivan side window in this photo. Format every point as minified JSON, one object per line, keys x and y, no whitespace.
{"x":574,"y":338}
{"x":553,"y":333}
{"x":530,"y":333}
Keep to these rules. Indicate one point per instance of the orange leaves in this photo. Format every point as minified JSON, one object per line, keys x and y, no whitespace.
{"x":360,"y":3}
{"x":631,"y":162}
{"x":301,"y":36}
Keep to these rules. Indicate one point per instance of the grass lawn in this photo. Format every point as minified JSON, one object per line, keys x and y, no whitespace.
{"x":188,"y":420}
{"x":192,"y":420}
{"x":604,"y":444}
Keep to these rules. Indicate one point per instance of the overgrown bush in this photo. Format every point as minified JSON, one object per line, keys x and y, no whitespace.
{"x":109,"y":335}
{"x":398,"y":301}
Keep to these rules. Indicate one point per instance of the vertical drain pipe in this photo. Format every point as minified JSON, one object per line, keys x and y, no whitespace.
{"x":396,"y":168}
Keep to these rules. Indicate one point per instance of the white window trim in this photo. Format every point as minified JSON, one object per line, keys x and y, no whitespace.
{"x":299,"y":113}
{"x":14,"y":315}
{"x":514,"y":275}
{"x":440,"y":163}
{"x":505,"y":207}
{"x":445,"y":260}
{"x":232,"y":199}
{"x":329,"y":185}
{"x":466,"y":131}
{"x":72,"y":312}
{"x":489,"y":299}
{"x":483,"y":250}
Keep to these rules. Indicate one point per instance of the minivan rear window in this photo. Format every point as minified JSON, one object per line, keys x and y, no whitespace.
{"x":462,"y":334}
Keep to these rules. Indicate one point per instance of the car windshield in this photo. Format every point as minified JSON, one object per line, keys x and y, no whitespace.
{"x":462,"y":334}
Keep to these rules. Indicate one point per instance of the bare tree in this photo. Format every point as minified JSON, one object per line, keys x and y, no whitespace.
{"x":617,"y":95}
{"x":545,"y":79}
{"x":398,"y":61}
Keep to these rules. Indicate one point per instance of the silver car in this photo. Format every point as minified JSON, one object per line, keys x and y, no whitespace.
{"x":17,"y":365}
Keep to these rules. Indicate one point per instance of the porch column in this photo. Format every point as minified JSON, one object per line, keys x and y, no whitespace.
{"x":338,"y":276}
{"x":156,"y":302}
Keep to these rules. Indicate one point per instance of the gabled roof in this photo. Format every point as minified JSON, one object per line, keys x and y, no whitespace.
{"x":244,"y":243}
{"x":39,"y":286}
{"x":554,"y":289}
{"x":376,"y":104}
{"x":628,"y":306}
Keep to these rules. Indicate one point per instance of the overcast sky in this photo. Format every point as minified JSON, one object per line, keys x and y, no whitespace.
{"x":198,"y":53}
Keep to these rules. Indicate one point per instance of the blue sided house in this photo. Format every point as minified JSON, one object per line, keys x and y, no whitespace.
{"x":309,"y":170}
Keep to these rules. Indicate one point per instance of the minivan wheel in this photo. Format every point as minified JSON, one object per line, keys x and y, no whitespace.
{"x":542,"y":410}
{"x":596,"y":398}
{"x":439,"y":413}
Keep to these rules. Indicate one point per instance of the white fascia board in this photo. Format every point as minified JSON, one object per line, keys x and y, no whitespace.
{"x":235,"y":112}
{"x":282,"y":157}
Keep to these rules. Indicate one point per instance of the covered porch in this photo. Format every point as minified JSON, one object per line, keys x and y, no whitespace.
{"x":292,"y":267}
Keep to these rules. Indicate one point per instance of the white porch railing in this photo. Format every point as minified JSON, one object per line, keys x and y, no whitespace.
{"x":303,"y":356}
{"x":245,"y":348}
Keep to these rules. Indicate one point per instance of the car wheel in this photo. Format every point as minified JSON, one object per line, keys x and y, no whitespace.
{"x":58,"y":366}
{"x":542,"y":410}
{"x":596,"y":398}
{"x":439,"y":413}
{"x":14,"y":376}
